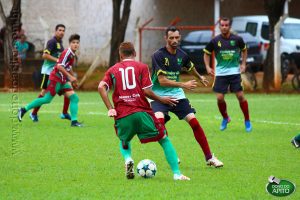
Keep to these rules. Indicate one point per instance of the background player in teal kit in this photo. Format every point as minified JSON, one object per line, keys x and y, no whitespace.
{"x":167,"y":62}
{"x":133,"y":116}
{"x":59,"y":84}
{"x":228,"y":48}
{"x":51,"y":54}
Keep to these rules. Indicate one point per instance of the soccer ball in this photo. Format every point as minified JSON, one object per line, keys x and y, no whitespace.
{"x":146,"y":168}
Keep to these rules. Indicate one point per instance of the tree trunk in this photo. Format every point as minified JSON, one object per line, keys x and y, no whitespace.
{"x":12,"y":24}
{"x":119,"y":26}
{"x":274,"y":10}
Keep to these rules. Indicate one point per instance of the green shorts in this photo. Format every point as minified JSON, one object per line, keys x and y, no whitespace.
{"x":142,"y":124}
{"x":55,"y":87}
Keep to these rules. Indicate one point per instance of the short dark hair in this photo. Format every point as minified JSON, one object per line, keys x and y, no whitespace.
{"x":225,"y":19}
{"x":59,"y":25}
{"x":126,"y":49}
{"x":74,"y":37}
{"x":172,"y":29}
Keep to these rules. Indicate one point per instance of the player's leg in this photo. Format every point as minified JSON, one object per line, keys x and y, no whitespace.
{"x":220,"y":88}
{"x":74,"y":99}
{"x":125,"y":130}
{"x":161,"y":111}
{"x":34,"y":114}
{"x":296,"y":141}
{"x":236,"y":87}
{"x":65,"y":114}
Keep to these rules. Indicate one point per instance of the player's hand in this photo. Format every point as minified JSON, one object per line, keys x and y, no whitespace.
{"x":243,"y":68}
{"x":169,"y":100}
{"x":210,"y":71}
{"x":74,"y":84}
{"x":72,"y":79}
{"x":192,"y":84}
{"x":112,"y":112}
{"x":203,"y":80}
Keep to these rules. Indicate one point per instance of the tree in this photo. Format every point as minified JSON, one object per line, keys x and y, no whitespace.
{"x":12,"y":25}
{"x":119,"y":26}
{"x":274,"y":10}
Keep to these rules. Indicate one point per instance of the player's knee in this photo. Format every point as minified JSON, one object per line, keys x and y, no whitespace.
{"x":74,"y":98}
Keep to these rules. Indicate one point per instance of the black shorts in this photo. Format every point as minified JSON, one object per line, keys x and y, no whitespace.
{"x":44,"y":83}
{"x":232,"y":82}
{"x":181,"y":110}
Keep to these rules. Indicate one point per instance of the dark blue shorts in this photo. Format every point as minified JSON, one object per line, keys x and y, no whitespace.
{"x":181,"y":110}
{"x":232,"y":82}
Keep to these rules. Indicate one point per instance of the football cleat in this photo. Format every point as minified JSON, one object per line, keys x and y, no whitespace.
{"x":213,"y":161}
{"x":181,"y":177}
{"x":295,"y":143}
{"x":224,"y":123}
{"x":76,"y":124}
{"x":65,"y":116}
{"x":129,"y":169}
{"x":33,"y":117}
{"x":248,"y":126}
{"x":21,"y":113}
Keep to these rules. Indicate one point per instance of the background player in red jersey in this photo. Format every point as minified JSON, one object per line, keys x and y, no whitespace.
{"x":58,"y":82}
{"x":131,"y":110}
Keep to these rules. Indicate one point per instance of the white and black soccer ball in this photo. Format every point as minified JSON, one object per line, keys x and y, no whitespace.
{"x":146,"y":168}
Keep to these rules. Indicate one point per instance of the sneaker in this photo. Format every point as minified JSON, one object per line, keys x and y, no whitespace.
{"x":65,"y":116}
{"x":295,"y":143}
{"x":214,"y":162}
{"x":76,"y":124}
{"x":21,"y":113}
{"x":129,"y":169}
{"x":181,"y":177}
{"x":224,"y":123}
{"x":248,"y":126}
{"x":33,"y":117}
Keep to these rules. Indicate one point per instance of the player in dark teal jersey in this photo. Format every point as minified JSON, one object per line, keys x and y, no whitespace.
{"x":228,"y":48}
{"x":51,"y":54}
{"x":167,"y":63}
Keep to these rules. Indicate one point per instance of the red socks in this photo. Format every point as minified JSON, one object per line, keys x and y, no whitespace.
{"x":244,"y":108}
{"x":36,"y":110}
{"x":223,"y":109}
{"x":200,"y":137}
{"x":66,"y":105}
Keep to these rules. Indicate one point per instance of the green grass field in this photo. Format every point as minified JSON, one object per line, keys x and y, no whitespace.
{"x":51,"y":160}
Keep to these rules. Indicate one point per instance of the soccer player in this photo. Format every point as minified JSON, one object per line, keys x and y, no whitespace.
{"x":58,"y":82}
{"x":51,"y":54}
{"x":133,"y":115}
{"x":228,"y":48}
{"x":296,"y":141}
{"x":167,"y":63}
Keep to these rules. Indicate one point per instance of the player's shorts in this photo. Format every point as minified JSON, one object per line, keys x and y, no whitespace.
{"x":181,"y":110}
{"x":231,"y":82}
{"x":142,"y":124}
{"x":44,"y":83}
{"x":55,"y":87}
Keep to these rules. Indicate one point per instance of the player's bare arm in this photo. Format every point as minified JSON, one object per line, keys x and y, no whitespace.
{"x":165,"y":100}
{"x":202,"y":79}
{"x":164,"y":81}
{"x":102,"y":89}
{"x":209,"y":70}
{"x":244,"y":58}
{"x":47,"y":56}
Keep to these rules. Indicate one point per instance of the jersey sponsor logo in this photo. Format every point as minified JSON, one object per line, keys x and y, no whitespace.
{"x":179,"y":61}
{"x":58,"y":46}
{"x":232,"y":42}
{"x":219,"y":44}
{"x":167,"y":62}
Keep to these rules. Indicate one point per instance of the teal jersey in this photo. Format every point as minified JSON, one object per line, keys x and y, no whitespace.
{"x":169,"y":65}
{"x":54,"y":48}
{"x":227,"y":52}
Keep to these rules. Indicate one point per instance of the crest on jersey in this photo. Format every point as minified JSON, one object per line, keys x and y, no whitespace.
{"x":167,"y":63}
{"x":58,"y":45}
{"x":219,"y":44}
{"x":179,"y":61}
{"x":232,"y":43}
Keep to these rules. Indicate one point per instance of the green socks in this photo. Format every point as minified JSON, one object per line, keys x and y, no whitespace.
{"x":126,"y":153}
{"x":39,"y":101}
{"x":74,"y":106}
{"x":170,"y":154}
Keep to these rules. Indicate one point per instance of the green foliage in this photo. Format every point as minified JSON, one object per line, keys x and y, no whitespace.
{"x":55,"y":161}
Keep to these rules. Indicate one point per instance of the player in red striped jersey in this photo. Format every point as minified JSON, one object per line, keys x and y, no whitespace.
{"x":58,"y":82}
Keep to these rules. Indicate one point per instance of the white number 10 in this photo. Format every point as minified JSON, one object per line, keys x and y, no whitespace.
{"x":125,"y":80}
